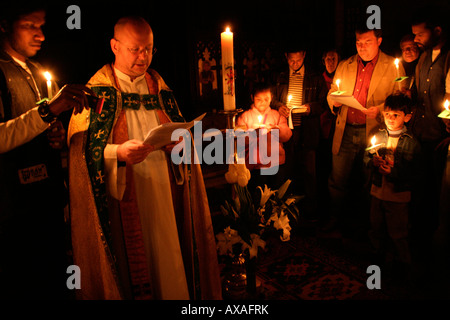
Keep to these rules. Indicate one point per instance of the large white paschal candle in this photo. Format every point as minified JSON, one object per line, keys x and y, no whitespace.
{"x":229,"y":98}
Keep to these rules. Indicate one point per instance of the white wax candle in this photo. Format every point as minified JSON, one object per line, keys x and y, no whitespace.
{"x":229,"y":98}
{"x":445,"y":114}
{"x":48,"y":76}
{"x":374,"y":141}
{"x":396,"y":61}
{"x":291,"y":125}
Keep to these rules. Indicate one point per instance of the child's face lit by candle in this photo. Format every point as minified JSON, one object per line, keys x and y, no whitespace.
{"x":395,"y":119}
{"x":261,"y":100}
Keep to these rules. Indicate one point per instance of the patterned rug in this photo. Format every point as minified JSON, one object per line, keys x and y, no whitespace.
{"x":307,"y":268}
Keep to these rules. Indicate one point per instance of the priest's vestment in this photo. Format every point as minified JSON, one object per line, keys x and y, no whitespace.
{"x":138,"y":231}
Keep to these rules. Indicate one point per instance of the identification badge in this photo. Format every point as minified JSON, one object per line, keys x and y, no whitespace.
{"x":33,"y":174}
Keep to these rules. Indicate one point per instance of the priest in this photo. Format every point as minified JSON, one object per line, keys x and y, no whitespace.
{"x":141,"y":226}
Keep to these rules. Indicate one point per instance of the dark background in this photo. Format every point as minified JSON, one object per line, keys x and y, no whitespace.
{"x":74,"y":56}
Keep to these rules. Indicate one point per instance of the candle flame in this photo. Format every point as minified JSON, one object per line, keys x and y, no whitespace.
{"x":290,"y":98}
{"x":47,"y":76}
{"x":373,"y":141}
{"x":259,"y":119}
{"x":446,"y":105}
{"x":227,"y":29}
{"x":338,"y":81}
{"x":396,"y":63}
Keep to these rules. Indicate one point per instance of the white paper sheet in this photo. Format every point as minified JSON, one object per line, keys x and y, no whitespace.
{"x":161,"y":135}
{"x":347,"y":100}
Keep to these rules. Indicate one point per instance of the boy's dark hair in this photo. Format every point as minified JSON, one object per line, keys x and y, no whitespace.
{"x":261,"y":87}
{"x":399,"y":102}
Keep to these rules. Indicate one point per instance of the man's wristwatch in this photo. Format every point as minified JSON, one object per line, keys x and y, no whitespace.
{"x":45,"y":113}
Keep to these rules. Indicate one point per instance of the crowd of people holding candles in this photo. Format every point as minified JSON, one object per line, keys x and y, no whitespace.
{"x":333,"y":155}
{"x":366,"y":141}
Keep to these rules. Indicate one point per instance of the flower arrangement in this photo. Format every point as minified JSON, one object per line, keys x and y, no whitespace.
{"x":246,"y":221}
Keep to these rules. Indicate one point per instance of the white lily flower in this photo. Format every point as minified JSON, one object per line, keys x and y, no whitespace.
{"x":290,"y":201}
{"x":283,"y":223}
{"x":265,"y":195}
{"x":223,"y":245}
{"x":256,"y":242}
{"x":283,"y":189}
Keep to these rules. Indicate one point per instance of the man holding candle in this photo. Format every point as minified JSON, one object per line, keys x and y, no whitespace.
{"x":301,"y":86}
{"x":428,"y":26}
{"x":330,"y":59}
{"x":441,"y":237}
{"x":431,"y":72}
{"x":369,"y":76}
{"x":141,"y":226}
{"x":410,"y":58}
{"x":33,"y":259}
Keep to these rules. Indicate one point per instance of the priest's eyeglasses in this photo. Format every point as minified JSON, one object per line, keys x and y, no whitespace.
{"x":137,"y":51}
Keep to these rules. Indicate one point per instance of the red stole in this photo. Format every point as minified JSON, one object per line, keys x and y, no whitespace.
{"x":131,"y":223}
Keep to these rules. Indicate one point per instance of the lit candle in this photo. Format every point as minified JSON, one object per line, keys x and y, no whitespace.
{"x":229,"y":99}
{"x":259,"y":120}
{"x":48,"y":76}
{"x":338,"y":81}
{"x":445,"y":114}
{"x":396,"y":61}
{"x":291,"y":125}
{"x":374,"y":141}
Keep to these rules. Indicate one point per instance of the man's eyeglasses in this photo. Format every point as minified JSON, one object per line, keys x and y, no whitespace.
{"x":137,"y":51}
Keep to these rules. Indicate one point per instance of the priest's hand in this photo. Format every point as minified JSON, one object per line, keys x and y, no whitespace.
{"x":71,"y":96}
{"x":168,"y":148}
{"x":133,"y":151}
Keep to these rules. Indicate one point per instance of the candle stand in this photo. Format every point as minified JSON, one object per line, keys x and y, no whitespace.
{"x":231,"y":117}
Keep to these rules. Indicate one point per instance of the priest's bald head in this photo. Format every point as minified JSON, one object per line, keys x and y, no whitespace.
{"x":132,"y":45}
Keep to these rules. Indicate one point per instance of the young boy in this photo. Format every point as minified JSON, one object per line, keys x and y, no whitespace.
{"x":395,"y":169}
{"x":259,"y":116}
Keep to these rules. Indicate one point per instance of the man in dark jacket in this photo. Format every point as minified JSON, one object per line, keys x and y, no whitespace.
{"x":429,"y":29}
{"x":33,"y":261}
{"x":300,"y":93}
